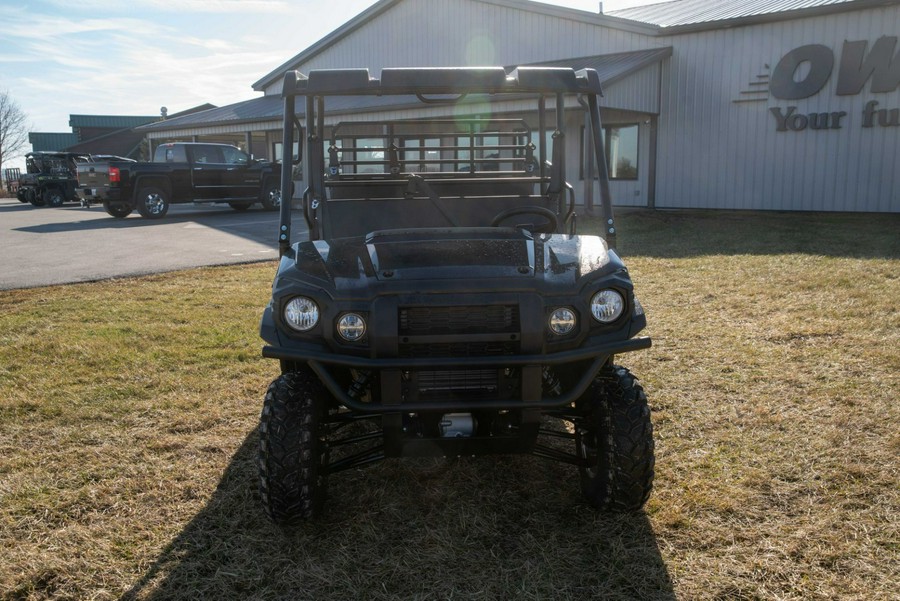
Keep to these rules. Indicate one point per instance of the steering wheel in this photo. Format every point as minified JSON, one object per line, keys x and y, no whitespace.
{"x":549,"y":227}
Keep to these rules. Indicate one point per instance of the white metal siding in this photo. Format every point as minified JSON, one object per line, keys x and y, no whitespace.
{"x":637,"y":92}
{"x":420,"y":33}
{"x":716,"y":153}
{"x":239,"y":128}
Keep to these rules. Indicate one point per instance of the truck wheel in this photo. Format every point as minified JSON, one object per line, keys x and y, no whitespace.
{"x":54,"y":197}
{"x":292,"y":457}
{"x":271,"y":198}
{"x":20,"y":194}
{"x":118,"y":210}
{"x":152,"y":202}
{"x":615,"y":442}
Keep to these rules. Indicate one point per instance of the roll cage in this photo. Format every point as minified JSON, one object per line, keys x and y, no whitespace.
{"x":465,"y":169}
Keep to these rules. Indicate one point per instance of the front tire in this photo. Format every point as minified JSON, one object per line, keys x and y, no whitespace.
{"x":615,"y":443}
{"x":292,"y":452}
{"x":271,"y":198}
{"x":54,"y":197}
{"x":152,"y":202}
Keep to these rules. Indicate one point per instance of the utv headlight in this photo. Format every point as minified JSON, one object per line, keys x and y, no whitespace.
{"x":351,"y":327}
{"x":301,"y":313}
{"x":562,"y":321}
{"x":607,"y":306}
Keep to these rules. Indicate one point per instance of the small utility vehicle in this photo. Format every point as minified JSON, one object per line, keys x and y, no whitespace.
{"x":49,"y":178}
{"x":444,"y":305}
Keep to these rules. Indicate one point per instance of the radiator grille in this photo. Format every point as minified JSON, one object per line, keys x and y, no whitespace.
{"x":469,"y":380}
{"x":459,"y":349}
{"x":420,"y":321}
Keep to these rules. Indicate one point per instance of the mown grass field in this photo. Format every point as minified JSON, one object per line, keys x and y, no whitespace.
{"x":127,"y":442}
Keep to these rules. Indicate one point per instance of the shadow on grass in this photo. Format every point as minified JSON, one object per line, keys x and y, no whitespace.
{"x":691,"y":233}
{"x":490,"y":528}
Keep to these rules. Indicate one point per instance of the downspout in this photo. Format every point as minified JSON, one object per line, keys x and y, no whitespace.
{"x":654,"y":141}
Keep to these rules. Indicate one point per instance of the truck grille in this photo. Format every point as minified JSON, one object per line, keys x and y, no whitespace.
{"x":487,"y":319}
{"x":470,"y":380}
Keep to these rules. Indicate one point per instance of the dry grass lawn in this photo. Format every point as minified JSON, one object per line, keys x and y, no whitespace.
{"x":127,"y":442}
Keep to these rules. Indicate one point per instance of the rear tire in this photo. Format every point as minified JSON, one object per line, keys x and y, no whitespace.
{"x":239,"y":206}
{"x":271,"y":198}
{"x":292,"y":450}
{"x":33,"y":198}
{"x":615,"y":441}
{"x":152,"y":202}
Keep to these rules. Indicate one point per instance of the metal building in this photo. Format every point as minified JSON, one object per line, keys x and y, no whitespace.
{"x":722,"y":104}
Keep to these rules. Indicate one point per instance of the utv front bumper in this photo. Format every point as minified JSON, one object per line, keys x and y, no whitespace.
{"x":391,"y":370}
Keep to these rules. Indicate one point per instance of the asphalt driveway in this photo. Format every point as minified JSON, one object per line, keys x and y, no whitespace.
{"x":46,"y":246}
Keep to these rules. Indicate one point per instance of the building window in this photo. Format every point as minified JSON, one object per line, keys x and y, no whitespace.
{"x":369,"y":155}
{"x":278,"y":152}
{"x":422,"y":155}
{"x":621,"y":145}
{"x":487,"y":152}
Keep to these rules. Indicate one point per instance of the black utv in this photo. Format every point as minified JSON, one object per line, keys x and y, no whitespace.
{"x":49,"y":178}
{"x":444,"y":304}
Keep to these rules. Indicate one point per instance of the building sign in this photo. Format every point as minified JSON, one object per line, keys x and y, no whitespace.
{"x":815,"y":63}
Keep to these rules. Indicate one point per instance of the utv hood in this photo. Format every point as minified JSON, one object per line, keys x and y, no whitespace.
{"x":506,"y":256}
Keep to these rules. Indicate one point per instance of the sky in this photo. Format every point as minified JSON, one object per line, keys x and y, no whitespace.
{"x":114,"y":57}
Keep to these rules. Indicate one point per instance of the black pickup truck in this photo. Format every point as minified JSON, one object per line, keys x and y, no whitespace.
{"x":181,"y":172}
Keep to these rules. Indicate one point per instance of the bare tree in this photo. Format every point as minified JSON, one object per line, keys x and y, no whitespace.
{"x":13,"y":128}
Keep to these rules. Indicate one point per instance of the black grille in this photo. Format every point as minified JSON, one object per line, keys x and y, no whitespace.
{"x":459,"y":349}
{"x":470,"y":380}
{"x":488,"y":319}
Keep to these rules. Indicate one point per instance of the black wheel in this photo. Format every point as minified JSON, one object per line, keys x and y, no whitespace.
{"x":34,"y":198}
{"x":152,"y":202}
{"x":20,"y":195}
{"x":271,"y":197}
{"x":615,"y":441}
{"x":54,"y":197}
{"x":548,"y":224}
{"x":117,"y":210}
{"x":239,"y":206}
{"x":292,"y":452}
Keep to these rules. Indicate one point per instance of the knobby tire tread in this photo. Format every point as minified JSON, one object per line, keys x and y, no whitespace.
{"x":621,"y":415}
{"x":291,"y":478}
